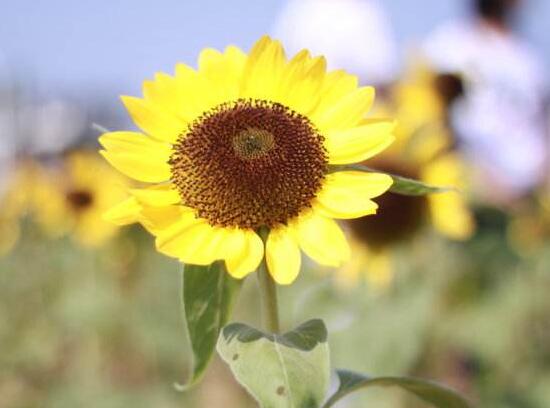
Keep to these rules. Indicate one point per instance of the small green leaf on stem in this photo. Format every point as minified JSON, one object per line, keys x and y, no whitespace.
{"x":407,"y":186}
{"x":281,"y":371}
{"x":208,"y":296}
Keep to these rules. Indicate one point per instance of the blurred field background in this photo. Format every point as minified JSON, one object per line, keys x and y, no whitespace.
{"x":90,"y":316}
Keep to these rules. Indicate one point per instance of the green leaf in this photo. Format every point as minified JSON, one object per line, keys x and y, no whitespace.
{"x":407,"y":186}
{"x":435,"y":394}
{"x":281,"y":371}
{"x":401,"y":185}
{"x":208,"y":295}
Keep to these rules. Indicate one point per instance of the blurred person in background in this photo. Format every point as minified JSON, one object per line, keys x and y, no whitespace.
{"x":353,"y":34}
{"x":500,"y":121}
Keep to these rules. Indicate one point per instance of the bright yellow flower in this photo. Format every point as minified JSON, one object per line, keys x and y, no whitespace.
{"x":423,"y":147}
{"x":70,"y":199}
{"x":245,"y":143}
{"x":449,"y":212}
{"x":422,"y":150}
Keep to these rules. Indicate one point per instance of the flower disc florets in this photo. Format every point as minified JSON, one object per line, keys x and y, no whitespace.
{"x":79,"y":199}
{"x":249,"y":163}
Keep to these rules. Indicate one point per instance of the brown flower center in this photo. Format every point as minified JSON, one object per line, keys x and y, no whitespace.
{"x":79,"y":199}
{"x":249,"y":163}
{"x":252,"y":143}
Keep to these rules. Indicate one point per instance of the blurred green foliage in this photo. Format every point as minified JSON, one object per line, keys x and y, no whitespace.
{"x":104,"y":329}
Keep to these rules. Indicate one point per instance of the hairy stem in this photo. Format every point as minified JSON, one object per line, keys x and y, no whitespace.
{"x":268,"y":293}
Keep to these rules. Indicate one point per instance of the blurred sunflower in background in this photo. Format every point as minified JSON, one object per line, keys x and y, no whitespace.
{"x":65,"y":196}
{"x":70,"y":197}
{"x":247,"y":143}
{"x":423,"y":150}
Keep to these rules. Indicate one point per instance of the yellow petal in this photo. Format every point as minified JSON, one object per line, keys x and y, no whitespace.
{"x":359,"y":143}
{"x":447,"y":170}
{"x":451,"y":216}
{"x":137,"y":155}
{"x":347,"y":194}
{"x":301,"y":82}
{"x":336,"y":85}
{"x":428,"y":143}
{"x":134,"y":143}
{"x":192,"y":240}
{"x":195,"y":94}
{"x":127,"y":212}
{"x":147,"y":168}
{"x":449,"y":211}
{"x":157,"y":196}
{"x":244,"y":252}
{"x":156,"y":122}
{"x":157,"y":219}
{"x":293,"y":72}
{"x":322,"y":239}
{"x":91,"y":231}
{"x":223,"y":70}
{"x":347,"y":112}
{"x":235,"y":58}
{"x":165,"y":95}
{"x":263,"y":70}
{"x":282,"y":256}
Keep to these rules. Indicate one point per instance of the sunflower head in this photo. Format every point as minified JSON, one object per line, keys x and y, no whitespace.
{"x":424,"y":151}
{"x":250,"y":142}
{"x":79,"y":200}
{"x":249,"y":164}
{"x":70,"y":198}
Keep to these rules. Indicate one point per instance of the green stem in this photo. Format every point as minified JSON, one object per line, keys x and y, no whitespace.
{"x":268,"y":293}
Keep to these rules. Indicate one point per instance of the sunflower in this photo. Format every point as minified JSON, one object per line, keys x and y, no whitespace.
{"x":246,"y":144}
{"x":422,"y":150}
{"x":70,"y":199}
{"x":425,"y":147}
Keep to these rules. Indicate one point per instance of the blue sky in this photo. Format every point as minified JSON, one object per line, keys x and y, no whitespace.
{"x":67,"y":46}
